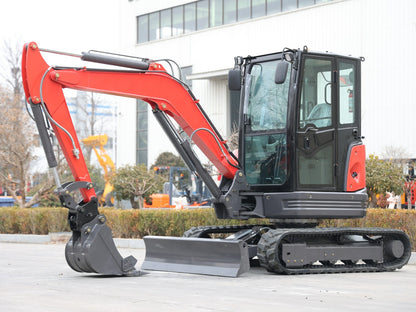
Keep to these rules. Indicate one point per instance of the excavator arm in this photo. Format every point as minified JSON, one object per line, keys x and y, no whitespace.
{"x":145,"y":80}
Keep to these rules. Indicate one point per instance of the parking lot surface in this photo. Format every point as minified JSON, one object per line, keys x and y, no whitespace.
{"x":35,"y":277}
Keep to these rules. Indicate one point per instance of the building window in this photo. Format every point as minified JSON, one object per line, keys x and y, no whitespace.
{"x":230,"y":11}
{"x":143,"y":28}
{"x":177,"y":21}
{"x":288,"y":5}
{"x":166,"y":23}
{"x":303,"y":3}
{"x":243,"y":10}
{"x":141,"y":132}
{"x":154,"y":27}
{"x":215,"y":11}
{"x":203,"y":14}
{"x":273,"y":6}
{"x":258,"y":8}
{"x":190,"y":17}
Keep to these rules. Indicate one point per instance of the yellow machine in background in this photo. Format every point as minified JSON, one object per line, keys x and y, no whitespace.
{"x":97,"y":142}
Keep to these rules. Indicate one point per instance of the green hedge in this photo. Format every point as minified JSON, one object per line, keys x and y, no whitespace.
{"x":33,"y":220}
{"x":171,"y":222}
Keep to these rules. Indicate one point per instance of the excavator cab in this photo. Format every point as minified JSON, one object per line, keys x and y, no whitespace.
{"x":300,"y":140}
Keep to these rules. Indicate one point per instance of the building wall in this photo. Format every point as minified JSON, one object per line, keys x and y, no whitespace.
{"x":383,"y":31}
{"x":126,"y":133}
{"x":96,"y":110}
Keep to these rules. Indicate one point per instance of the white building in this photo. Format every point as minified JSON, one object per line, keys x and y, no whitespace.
{"x":204,"y":36}
{"x":95,"y":114}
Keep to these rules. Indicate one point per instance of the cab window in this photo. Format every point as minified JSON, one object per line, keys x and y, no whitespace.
{"x":315,"y":106}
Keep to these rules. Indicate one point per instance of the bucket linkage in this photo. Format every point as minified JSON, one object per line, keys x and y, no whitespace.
{"x":91,"y":248}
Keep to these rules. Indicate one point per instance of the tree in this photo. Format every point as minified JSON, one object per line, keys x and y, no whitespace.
{"x":396,"y":154}
{"x":168,"y":159}
{"x":43,"y":190}
{"x":381,"y":177}
{"x":17,"y":139}
{"x":11,"y":73}
{"x":16,"y":128}
{"x":232,"y":140}
{"x":17,"y":143}
{"x":86,"y":121}
{"x":135,"y":183}
{"x":96,"y":176}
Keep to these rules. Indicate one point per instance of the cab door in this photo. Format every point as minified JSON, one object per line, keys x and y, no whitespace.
{"x":316,"y":125}
{"x":349,"y":143}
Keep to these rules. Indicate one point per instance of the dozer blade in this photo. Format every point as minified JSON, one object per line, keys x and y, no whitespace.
{"x":196,"y":255}
{"x":92,"y":250}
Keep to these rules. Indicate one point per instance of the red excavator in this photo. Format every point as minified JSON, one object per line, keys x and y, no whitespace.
{"x":300,"y":159}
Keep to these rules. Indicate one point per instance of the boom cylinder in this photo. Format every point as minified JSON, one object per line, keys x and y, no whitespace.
{"x":112,"y":60}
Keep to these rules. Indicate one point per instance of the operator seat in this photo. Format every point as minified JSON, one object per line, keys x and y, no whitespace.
{"x":320,"y":116}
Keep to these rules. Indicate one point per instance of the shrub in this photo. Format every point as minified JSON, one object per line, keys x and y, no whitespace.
{"x":33,"y":220}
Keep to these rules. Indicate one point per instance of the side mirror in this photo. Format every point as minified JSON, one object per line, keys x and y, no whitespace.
{"x":281,"y":72}
{"x":234,"y":80}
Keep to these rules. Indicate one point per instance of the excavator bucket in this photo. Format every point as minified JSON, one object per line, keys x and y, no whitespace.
{"x":92,"y":250}
{"x":196,"y":255}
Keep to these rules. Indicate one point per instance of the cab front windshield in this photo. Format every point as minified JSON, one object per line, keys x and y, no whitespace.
{"x":265,"y":127}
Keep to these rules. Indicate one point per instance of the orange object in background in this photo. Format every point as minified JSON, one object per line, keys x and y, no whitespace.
{"x":158,"y":201}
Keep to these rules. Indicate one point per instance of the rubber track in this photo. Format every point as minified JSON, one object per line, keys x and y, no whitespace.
{"x":204,"y":231}
{"x":269,"y":254}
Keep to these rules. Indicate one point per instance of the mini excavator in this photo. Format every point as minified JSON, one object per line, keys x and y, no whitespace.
{"x":300,"y":159}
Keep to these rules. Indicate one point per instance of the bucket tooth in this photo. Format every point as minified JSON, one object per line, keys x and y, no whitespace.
{"x":92,"y":250}
{"x":196,"y":255}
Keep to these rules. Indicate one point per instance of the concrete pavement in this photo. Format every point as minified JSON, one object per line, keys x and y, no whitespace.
{"x":35,"y":277}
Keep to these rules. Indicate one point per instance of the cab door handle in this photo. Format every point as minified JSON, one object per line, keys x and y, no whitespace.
{"x":307,"y":143}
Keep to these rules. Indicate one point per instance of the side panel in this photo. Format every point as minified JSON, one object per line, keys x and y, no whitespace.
{"x":299,"y":205}
{"x":355,"y":169}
